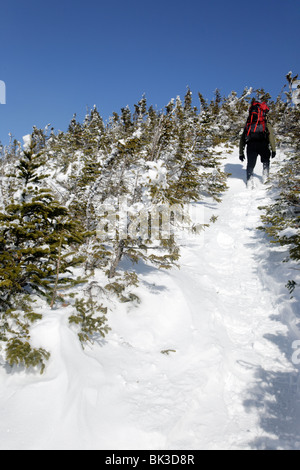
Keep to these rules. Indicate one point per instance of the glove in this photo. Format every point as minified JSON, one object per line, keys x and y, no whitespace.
{"x":242,"y":158}
{"x":273,"y":154}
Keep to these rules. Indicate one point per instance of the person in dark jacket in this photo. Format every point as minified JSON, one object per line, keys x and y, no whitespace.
{"x":266,"y":148}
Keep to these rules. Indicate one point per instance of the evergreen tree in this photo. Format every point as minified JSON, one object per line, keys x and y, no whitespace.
{"x":33,"y":227}
{"x":37,"y":240}
{"x":281,"y":219}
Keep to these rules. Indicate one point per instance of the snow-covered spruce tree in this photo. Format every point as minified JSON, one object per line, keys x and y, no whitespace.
{"x":35,"y":224}
{"x":37,"y":240}
{"x":285,"y":113}
{"x":156,"y":159}
{"x":292,"y":121}
{"x":183,"y":177}
{"x":232,"y":116}
{"x":123,"y":187}
{"x":91,"y":155}
{"x":199,"y":164}
{"x":282,"y":218}
{"x":149,"y":158}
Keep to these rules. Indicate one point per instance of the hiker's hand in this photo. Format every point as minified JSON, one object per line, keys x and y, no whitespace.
{"x":273,"y":155}
{"x":242,"y":157}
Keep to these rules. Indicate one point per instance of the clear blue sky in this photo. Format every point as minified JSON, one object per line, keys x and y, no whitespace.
{"x":60,"y":57}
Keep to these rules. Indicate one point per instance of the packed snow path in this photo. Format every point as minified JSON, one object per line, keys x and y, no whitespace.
{"x":204,"y":362}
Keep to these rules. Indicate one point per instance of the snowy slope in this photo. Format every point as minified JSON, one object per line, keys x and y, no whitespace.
{"x":204,"y":362}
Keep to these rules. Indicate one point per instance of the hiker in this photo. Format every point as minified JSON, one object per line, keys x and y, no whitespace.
{"x":258,"y":135}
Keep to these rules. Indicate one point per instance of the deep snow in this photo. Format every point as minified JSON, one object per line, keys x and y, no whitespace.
{"x":204,"y":362}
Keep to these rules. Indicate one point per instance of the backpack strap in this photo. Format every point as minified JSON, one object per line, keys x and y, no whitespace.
{"x":249,"y":125}
{"x":258,"y":118}
{"x":256,"y":128}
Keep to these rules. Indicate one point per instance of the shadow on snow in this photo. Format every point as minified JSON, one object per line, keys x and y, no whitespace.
{"x":276,"y":395}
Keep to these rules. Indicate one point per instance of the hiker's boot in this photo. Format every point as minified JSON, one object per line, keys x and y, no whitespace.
{"x":266,"y":171}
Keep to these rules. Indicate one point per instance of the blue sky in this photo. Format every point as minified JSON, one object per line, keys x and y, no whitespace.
{"x":62,"y":57}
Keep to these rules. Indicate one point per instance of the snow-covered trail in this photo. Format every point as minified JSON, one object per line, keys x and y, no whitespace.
{"x":231,"y":368}
{"x":235,"y":314}
{"x":204,"y":362}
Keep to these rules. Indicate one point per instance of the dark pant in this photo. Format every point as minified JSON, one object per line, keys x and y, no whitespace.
{"x":254,"y":149}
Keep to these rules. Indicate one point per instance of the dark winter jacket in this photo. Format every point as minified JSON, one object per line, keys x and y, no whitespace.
{"x":271,"y":138}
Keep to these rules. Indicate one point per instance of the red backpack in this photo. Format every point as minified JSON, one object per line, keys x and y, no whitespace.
{"x":256,"y":127}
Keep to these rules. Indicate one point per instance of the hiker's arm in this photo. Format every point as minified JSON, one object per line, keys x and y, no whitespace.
{"x":271,"y":137}
{"x":242,"y":143}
